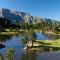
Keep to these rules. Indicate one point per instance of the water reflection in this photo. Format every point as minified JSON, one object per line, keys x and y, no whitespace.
{"x":53,"y":37}
{"x":2,"y":46}
{"x":29,"y":56}
{"x":3,"y":38}
{"x":16,"y":42}
{"x":43,"y":36}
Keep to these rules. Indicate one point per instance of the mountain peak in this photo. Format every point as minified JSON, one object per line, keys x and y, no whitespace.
{"x":14,"y":15}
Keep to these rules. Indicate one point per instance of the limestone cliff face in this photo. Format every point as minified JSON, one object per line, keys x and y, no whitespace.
{"x":15,"y":16}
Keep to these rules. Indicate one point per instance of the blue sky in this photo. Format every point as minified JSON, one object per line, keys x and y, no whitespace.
{"x":42,"y":8}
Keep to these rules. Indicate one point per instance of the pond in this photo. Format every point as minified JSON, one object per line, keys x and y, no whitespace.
{"x":16,"y":43}
{"x":41,"y":36}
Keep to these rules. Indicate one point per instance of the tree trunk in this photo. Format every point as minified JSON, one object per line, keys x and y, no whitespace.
{"x":32,"y":43}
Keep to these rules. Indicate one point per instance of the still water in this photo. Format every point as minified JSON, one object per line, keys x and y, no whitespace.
{"x":16,"y":43}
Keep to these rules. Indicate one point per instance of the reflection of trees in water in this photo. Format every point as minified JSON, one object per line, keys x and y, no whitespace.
{"x":9,"y":56}
{"x":25,"y":56}
{"x":51,"y":36}
{"x":54,"y":36}
{"x":3,"y":38}
{"x":29,"y":56}
{"x":1,"y":57}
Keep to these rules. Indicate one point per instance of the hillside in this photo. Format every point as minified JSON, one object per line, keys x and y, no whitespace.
{"x":25,"y":20}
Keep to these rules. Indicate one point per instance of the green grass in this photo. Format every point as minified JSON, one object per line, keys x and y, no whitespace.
{"x":8,"y":33}
{"x":50,"y":43}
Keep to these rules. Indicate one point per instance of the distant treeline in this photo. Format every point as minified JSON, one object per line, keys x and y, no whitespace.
{"x":5,"y":23}
{"x":43,"y":25}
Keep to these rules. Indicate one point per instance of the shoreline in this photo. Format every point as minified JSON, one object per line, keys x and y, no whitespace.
{"x":36,"y":30}
{"x":46,"y":45}
{"x":8,"y":33}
